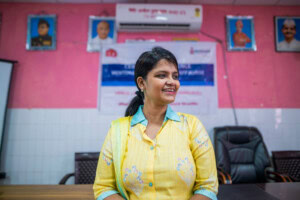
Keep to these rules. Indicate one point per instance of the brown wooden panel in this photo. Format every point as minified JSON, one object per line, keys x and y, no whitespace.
{"x":46,"y":192}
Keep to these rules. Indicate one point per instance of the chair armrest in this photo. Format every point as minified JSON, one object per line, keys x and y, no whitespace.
{"x":2,"y":175}
{"x":65,"y":178}
{"x":277,"y":177}
{"x":223,"y":177}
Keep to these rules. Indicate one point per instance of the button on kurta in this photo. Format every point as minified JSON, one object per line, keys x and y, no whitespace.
{"x":152,"y":147}
{"x":150,"y":184}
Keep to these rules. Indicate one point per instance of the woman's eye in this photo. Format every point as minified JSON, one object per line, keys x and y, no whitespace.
{"x":161,"y":76}
{"x":175,"y":77}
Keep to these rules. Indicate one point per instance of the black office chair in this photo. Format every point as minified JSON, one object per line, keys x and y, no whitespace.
{"x":85,"y":168}
{"x":242,"y":156}
{"x":287,"y":162}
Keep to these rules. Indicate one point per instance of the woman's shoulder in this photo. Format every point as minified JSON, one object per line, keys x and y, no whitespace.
{"x":188,"y":117}
{"x":121,"y":120}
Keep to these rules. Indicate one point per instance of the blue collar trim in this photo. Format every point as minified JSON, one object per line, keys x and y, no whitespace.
{"x":139,"y":116}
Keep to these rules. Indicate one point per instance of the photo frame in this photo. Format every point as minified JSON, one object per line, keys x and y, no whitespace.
{"x":0,"y":24}
{"x":287,"y":32}
{"x":102,"y":31}
{"x":41,"y":32}
{"x":240,"y":33}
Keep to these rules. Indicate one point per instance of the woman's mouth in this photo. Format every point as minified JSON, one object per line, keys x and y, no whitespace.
{"x":169,"y":91}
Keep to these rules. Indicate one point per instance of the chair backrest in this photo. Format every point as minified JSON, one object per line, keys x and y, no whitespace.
{"x":85,"y":167}
{"x":287,"y":162}
{"x":241,"y":152}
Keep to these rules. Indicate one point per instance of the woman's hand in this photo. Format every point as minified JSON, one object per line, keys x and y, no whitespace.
{"x":199,"y":197}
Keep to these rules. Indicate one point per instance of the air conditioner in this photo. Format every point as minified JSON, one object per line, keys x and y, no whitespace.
{"x":158,"y":17}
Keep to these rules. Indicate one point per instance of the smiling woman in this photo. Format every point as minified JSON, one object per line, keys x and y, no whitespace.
{"x":154,"y":152}
{"x":161,"y":84}
{"x":153,"y":68}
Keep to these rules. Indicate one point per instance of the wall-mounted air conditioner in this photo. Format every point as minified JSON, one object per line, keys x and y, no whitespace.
{"x":158,"y":17}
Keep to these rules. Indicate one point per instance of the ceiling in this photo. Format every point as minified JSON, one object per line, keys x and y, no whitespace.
{"x":221,"y":2}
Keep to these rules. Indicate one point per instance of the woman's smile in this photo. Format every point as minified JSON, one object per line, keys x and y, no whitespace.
{"x":162,"y":83}
{"x":170,"y":91}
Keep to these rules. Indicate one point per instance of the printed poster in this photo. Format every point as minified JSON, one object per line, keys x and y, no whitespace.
{"x":197,"y":76}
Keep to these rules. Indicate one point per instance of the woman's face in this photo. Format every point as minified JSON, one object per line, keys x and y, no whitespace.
{"x":161,"y":84}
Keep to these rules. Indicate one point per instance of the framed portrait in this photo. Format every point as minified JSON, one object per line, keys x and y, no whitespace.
{"x":0,"y":24}
{"x":102,"y":31}
{"x":240,"y":33}
{"x":41,"y":32}
{"x":287,"y":31}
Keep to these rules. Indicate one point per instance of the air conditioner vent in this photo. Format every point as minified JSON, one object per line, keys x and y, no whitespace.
{"x":158,"y":17}
{"x":151,"y":26}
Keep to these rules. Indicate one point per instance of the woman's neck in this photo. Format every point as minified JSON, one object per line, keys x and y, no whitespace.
{"x":154,"y":114}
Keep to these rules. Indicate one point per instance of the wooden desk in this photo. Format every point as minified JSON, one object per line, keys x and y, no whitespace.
{"x":46,"y":192}
{"x":243,"y":192}
{"x":268,"y":191}
{"x":261,"y":191}
{"x":282,"y":190}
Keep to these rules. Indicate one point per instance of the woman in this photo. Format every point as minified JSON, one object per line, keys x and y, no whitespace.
{"x":153,"y":152}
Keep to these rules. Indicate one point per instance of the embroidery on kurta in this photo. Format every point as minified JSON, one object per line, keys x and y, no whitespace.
{"x":107,"y":160}
{"x":183,"y":124}
{"x":200,"y":142}
{"x":133,"y":181}
{"x":185,"y":170}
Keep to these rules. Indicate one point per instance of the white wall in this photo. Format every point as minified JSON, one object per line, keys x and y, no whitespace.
{"x":40,"y":143}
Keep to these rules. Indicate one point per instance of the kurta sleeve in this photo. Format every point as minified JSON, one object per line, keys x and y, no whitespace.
{"x":203,"y":153}
{"x":105,"y":182}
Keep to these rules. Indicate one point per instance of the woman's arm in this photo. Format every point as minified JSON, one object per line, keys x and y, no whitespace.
{"x":105,"y":181}
{"x":199,"y":197}
{"x":114,"y":197}
{"x":206,"y":183}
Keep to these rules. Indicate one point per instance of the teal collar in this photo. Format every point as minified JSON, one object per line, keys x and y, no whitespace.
{"x":139,"y":116}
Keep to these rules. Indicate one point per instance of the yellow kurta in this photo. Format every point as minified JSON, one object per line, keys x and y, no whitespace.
{"x":178,"y":163}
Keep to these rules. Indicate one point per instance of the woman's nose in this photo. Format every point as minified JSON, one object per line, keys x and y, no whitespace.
{"x":170,"y":81}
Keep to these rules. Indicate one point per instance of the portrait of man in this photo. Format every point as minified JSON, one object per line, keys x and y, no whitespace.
{"x":102,"y":31}
{"x":41,"y":32}
{"x":287,"y":35}
{"x":43,"y":39}
{"x":240,"y":33}
{"x":240,"y":39}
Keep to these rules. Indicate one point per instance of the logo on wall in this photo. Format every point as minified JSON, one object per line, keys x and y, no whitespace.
{"x":111,"y":53}
{"x":197,"y":12}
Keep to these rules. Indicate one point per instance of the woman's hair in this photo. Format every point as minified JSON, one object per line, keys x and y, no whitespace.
{"x":145,"y":63}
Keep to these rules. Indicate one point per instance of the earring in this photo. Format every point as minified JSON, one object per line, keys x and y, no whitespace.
{"x":142,"y":90}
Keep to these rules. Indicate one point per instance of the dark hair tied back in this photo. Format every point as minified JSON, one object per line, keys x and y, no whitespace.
{"x":145,"y":63}
{"x":139,"y":94}
{"x":134,"y":104}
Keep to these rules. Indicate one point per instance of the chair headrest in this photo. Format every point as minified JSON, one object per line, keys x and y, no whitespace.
{"x":239,"y":137}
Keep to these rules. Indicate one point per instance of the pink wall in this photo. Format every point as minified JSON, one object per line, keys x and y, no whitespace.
{"x":68,"y":76}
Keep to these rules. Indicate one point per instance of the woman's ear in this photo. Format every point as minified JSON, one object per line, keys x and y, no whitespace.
{"x":141,"y":83}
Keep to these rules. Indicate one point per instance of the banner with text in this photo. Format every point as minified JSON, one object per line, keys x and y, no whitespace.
{"x":197,"y":76}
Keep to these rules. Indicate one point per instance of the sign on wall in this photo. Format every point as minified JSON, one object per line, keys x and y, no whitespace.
{"x":197,"y":69}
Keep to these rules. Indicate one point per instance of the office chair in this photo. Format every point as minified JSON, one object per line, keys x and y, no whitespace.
{"x":85,"y":168}
{"x":242,"y":156}
{"x":287,"y":162}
